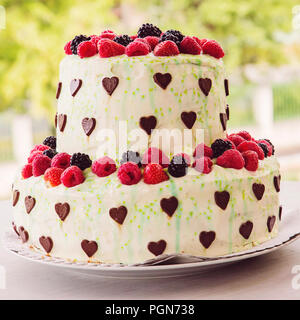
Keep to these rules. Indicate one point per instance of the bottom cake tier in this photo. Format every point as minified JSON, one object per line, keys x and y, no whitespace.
{"x":104,"y":221}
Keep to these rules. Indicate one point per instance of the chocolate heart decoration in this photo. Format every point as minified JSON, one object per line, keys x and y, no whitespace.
{"x":62,"y":120}
{"x":162,"y":79}
{"x":58,"y":90}
{"x":189,"y":118}
{"x":75,"y":85}
{"x":55,"y":120}
{"x":23,"y":234}
{"x":271,"y":222}
{"x":62,"y":210}
{"x":223,"y":120}
{"x":29,"y":203}
{"x":15,"y":228}
{"x":118,"y":214}
{"x":89,"y":247}
{"x":277,"y":183}
{"x":222,"y":199}
{"x":205,"y":85}
{"x":207,"y":238}
{"x":227,"y":111}
{"x":16,"y":196}
{"x":169,"y":205}
{"x":226,"y":87}
{"x":148,"y":123}
{"x":246,"y":229}
{"x":110,"y":84}
{"x":158,"y":247}
{"x":280,"y":212}
{"x":258,"y":190}
{"x":88,"y":125}
{"x":46,"y":243}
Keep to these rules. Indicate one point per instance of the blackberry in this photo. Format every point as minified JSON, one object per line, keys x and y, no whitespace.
{"x":178,"y":167}
{"x":81,"y":160}
{"x":273,"y":148}
{"x":131,"y":156}
{"x":264,"y":148}
{"x":124,"y":40}
{"x":50,"y":142}
{"x":50,"y":153}
{"x":219,"y":146}
{"x":173,"y":35}
{"x":76,"y":41}
{"x":148,"y":29}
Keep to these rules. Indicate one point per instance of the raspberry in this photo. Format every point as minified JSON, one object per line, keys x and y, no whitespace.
{"x":50,"y":153}
{"x":201,"y":41}
{"x":86,"y":49}
{"x":143,"y":40}
{"x":166,"y":48}
{"x":61,"y":160}
{"x":172,"y":35}
{"x":131,"y":156}
{"x":202,"y":148}
{"x":190,"y":46}
{"x":251,"y":160}
{"x":27,"y":171}
{"x":148,"y":29}
{"x":137,"y":48}
{"x":265,"y":149}
{"x":52,"y":176}
{"x":124,"y":40}
{"x":67,"y":48}
{"x":72,"y":176}
{"x":40,"y":147}
{"x":50,"y":142}
{"x":231,"y":159}
{"x":212,"y":48}
{"x":76,"y":41}
{"x":108,"y":34}
{"x":244,"y":134}
{"x":155,"y":155}
{"x":251,"y":145}
{"x":269,"y":146}
{"x":178,"y":166}
{"x":104,"y":167}
{"x":94,"y":40}
{"x":203,"y":164}
{"x":81,"y":160}
{"x":154,"y":173}
{"x":219,"y":146}
{"x":40,"y":164}
{"x":33,"y":155}
{"x":129,"y":173}
{"x":152,"y":41}
{"x":133,"y":37}
{"x":108,"y":48}
{"x":236,"y":139}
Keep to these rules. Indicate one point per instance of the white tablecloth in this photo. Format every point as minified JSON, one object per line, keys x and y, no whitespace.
{"x":265,"y":277}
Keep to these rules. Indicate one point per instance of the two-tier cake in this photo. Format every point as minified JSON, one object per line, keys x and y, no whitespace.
{"x":111,"y":189}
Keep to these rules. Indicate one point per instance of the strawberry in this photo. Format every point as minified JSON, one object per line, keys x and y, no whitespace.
{"x":154,"y":173}
{"x":166,"y":48}
{"x":52,"y":176}
{"x":190,"y":46}
{"x":212,"y":48}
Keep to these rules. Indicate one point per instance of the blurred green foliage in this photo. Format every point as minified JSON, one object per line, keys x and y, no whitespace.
{"x":32,"y":44}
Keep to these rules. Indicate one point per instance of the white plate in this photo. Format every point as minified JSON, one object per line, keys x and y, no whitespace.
{"x":166,"y":265}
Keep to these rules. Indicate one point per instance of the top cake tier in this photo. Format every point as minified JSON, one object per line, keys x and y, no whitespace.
{"x":100,"y":96}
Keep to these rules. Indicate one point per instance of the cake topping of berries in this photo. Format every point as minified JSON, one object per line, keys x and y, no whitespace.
{"x":172,"y":35}
{"x":40,"y":164}
{"x":152,"y":41}
{"x":245,"y":134}
{"x":231,"y":159}
{"x":251,"y":160}
{"x":33,"y":155}
{"x":72,"y":177}
{"x":104,"y":167}
{"x":109,"y":48}
{"x":67,"y":48}
{"x":219,"y":146}
{"x":52,"y":176}
{"x":190,"y":46}
{"x":131,"y":156}
{"x":178,"y":166}
{"x":124,"y":40}
{"x":86,"y":49}
{"x":212,"y":48}
{"x":108,"y":34}
{"x":148,"y":29}
{"x":166,"y":48}
{"x":203,"y":165}
{"x":129,"y":173}
{"x":76,"y":41}
{"x":81,"y":160}
{"x":50,"y":142}
{"x":50,"y":153}
{"x":27,"y":171}
{"x":269,"y":145}
{"x":264,"y":148}
{"x":202,"y":150}
{"x":251,"y":145}
{"x":154,"y":173}
{"x":236,"y":139}
{"x":155,"y":155}
{"x":61,"y":160}
{"x":40,"y":147}
{"x":137,"y":48}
